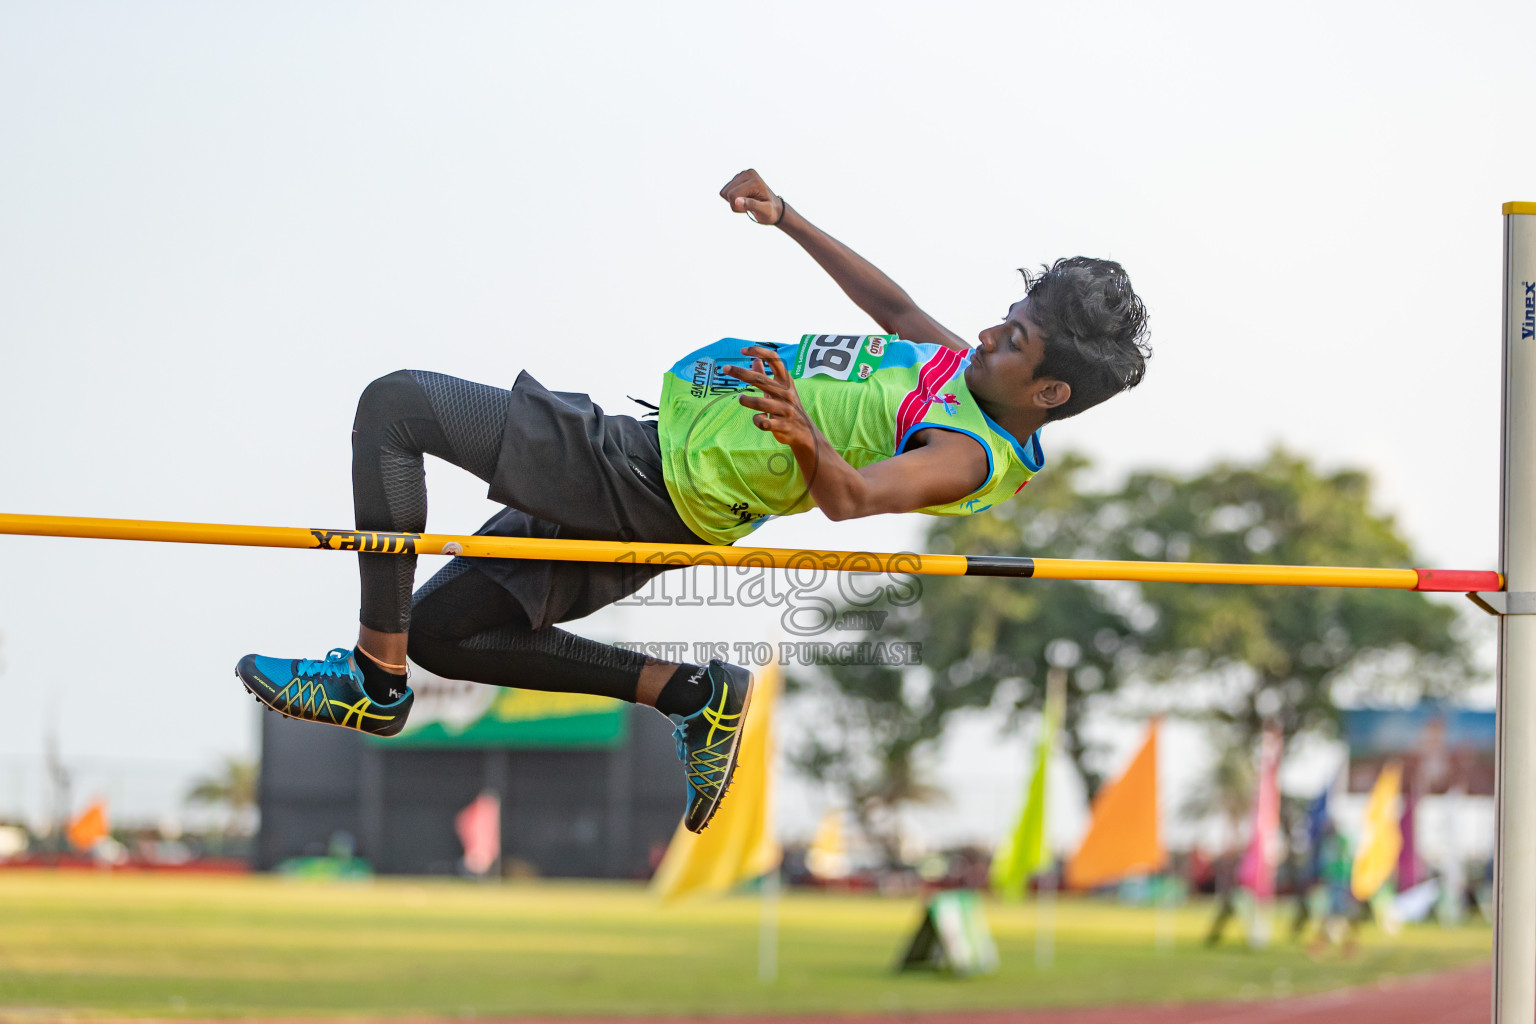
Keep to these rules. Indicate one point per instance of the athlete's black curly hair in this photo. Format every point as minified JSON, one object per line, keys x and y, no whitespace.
{"x":1095,"y":329}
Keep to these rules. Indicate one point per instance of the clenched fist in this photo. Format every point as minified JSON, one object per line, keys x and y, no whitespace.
{"x":748,"y":193}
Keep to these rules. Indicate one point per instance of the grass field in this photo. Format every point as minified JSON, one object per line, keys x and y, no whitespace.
{"x":168,"y":946}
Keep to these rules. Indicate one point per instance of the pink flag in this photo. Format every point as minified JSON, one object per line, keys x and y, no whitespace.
{"x":479,"y":828}
{"x":1257,"y":870}
{"x":1408,"y":859}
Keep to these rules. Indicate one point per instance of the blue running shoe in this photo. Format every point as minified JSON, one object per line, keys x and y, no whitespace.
{"x":707,"y":741}
{"x":329,"y":691}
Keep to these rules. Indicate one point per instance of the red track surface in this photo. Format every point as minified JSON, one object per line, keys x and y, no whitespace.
{"x":1461,"y":996}
{"x":1454,"y":997}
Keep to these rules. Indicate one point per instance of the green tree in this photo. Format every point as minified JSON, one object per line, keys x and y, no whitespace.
{"x":980,"y":636}
{"x":1236,"y":654}
{"x":1226,"y":793}
{"x":234,"y":787}
{"x":865,"y":743}
{"x":875,"y":726}
{"x":1284,"y":652}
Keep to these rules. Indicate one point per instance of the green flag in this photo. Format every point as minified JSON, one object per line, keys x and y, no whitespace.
{"x":1026,"y":849}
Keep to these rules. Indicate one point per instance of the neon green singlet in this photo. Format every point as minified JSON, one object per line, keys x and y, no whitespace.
{"x":867,"y":394}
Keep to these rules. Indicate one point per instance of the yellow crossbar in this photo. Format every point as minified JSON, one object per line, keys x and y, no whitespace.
{"x":775,"y":558}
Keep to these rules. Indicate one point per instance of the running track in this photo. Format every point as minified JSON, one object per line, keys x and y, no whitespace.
{"x":1462,"y":996}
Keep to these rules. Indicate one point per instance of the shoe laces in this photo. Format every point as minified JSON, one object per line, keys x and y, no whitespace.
{"x":337,"y":663}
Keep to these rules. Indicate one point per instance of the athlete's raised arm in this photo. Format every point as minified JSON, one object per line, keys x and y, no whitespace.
{"x":883,"y":299}
{"x":942,"y":467}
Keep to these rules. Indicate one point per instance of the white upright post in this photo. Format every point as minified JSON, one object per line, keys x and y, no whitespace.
{"x":1514,"y":935}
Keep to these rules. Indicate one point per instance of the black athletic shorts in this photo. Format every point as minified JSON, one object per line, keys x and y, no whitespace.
{"x":567,"y":469}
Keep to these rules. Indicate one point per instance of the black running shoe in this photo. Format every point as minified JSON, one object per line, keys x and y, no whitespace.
{"x":707,"y":741}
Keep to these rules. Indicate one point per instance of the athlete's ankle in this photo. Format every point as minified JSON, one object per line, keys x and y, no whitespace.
{"x":386,"y":648}
{"x":397,"y":668}
{"x":383,"y":684}
{"x":685,"y":692}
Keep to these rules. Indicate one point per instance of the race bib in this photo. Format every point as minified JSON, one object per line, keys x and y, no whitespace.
{"x":852,"y":357}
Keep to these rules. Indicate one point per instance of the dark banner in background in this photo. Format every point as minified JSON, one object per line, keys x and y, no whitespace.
{"x":453,"y":713}
{"x":1441,"y":749}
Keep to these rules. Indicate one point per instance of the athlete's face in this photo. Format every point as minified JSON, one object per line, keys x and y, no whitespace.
{"x":1002,"y":369}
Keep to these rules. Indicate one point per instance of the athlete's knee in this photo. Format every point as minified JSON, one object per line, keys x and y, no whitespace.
{"x":430,"y":652}
{"x":387,"y":399}
{"x":429,"y":621}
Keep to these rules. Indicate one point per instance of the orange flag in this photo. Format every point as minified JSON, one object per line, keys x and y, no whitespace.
{"x":1123,"y":837}
{"x":90,"y":827}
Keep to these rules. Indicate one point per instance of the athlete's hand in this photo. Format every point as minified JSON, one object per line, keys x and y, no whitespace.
{"x":778,"y":407}
{"x":748,"y":193}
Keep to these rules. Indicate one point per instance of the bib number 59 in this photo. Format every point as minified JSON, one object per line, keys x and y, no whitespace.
{"x":840,"y":356}
{"x":834,"y":351}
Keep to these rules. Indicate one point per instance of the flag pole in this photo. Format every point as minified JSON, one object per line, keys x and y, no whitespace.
{"x":1045,"y":921}
{"x":1164,"y":920}
{"x":768,"y":928}
{"x":1045,"y":913}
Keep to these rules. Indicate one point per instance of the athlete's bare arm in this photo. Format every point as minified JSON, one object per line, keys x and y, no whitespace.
{"x":939,"y":467}
{"x":883,"y":299}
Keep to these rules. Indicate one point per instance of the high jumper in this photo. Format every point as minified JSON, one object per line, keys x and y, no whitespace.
{"x":913,"y":420}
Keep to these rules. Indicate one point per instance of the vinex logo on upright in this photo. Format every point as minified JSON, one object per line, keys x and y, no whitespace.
{"x":1528,"y":325}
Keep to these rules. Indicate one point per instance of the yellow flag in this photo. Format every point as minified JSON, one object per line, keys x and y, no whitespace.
{"x":1381,"y":838}
{"x":739,"y":843}
{"x":827,"y":857}
{"x":1123,"y":836}
{"x":1026,"y":850}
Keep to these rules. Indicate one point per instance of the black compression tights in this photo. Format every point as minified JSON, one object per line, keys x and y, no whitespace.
{"x":401,"y":418}
{"x":466,"y":626}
